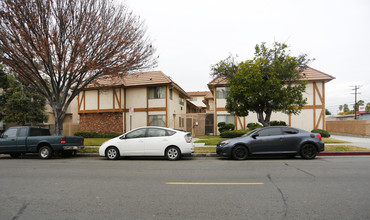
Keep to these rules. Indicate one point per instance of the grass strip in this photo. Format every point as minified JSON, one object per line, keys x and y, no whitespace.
{"x":340,"y":148}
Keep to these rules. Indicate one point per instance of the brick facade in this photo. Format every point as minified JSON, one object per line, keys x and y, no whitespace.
{"x":102,"y":122}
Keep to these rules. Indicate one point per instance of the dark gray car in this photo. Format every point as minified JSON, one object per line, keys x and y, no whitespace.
{"x":273,"y":140}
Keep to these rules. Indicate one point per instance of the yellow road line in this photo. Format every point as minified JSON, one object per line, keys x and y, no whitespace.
{"x":189,"y":183}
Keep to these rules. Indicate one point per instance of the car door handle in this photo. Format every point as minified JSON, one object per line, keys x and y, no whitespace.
{"x":281,"y":139}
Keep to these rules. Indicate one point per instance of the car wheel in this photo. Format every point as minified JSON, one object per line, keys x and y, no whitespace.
{"x":239,"y":153}
{"x":45,"y":152}
{"x":173,"y":153}
{"x":308,"y":151}
{"x":15,"y":155}
{"x":112,"y":153}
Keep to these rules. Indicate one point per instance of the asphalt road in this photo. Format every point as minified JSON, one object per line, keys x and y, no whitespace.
{"x":139,"y":188}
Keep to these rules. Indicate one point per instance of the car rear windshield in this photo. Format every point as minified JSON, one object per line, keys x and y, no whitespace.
{"x":39,"y":132}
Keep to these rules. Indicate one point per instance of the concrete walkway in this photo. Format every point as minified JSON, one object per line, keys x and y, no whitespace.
{"x":354,"y":141}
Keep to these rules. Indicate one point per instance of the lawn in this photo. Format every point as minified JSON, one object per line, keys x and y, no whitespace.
{"x":95,"y":141}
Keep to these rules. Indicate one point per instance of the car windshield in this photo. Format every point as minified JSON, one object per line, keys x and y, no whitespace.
{"x":249,"y":133}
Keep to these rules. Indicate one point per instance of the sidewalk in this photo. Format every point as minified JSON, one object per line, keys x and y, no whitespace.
{"x":354,"y":141}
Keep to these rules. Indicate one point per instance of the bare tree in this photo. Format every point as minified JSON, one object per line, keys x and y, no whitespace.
{"x":60,"y":46}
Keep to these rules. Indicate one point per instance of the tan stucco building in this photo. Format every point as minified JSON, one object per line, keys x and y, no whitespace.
{"x":123,"y":102}
{"x":312,"y":115}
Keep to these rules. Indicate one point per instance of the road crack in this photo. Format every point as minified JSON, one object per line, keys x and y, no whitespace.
{"x":282,"y":196}
{"x":20,"y":211}
{"x":308,"y":173}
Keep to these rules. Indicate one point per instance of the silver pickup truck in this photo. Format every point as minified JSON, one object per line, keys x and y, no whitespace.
{"x":28,"y":139}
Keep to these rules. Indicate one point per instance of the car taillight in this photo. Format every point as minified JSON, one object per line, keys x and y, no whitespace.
{"x":319,"y":136}
{"x":187,"y":138}
{"x":63,"y":140}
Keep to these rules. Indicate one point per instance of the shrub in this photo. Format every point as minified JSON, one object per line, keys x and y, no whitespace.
{"x":233,"y":134}
{"x":222,"y":126}
{"x":253,"y":126}
{"x":278,"y":123}
{"x":89,"y":134}
{"x":323,"y":133}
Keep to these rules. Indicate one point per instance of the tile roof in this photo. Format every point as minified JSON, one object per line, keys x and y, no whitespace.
{"x":310,"y":74}
{"x":151,"y":78}
{"x":198,"y":93}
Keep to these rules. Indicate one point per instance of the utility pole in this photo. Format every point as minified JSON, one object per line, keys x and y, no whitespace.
{"x":355,"y":107}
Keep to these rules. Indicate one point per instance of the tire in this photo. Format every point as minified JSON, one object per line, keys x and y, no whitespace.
{"x":112,"y":153}
{"x":239,"y":153}
{"x":173,"y":153}
{"x":15,"y":155}
{"x":45,"y":152}
{"x":308,"y":151}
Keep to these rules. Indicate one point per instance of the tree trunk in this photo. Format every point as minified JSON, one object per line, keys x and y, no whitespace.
{"x":59,"y":117}
{"x":265,"y":121}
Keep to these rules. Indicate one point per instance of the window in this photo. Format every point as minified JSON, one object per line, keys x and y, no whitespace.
{"x":228,"y":119}
{"x":289,"y":131}
{"x":11,"y":133}
{"x":181,"y":97}
{"x":222,"y":92}
{"x":270,"y":132}
{"x":171,"y":93}
{"x":180,"y":122}
{"x":155,"y":132}
{"x":158,"y":92}
{"x":136,"y":134}
{"x":22,"y":132}
{"x":157,"y":120}
{"x":39,"y":132}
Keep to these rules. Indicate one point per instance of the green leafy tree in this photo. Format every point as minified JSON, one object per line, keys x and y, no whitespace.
{"x":345,"y":108}
{"x":367,"y":108}
{"x":327,"y":112}
{"x":341,"y":108}
{"x":22,"y":104}
{"x":271,"y":82}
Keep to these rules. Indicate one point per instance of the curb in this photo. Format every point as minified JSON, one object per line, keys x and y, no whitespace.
{"x":337,"y":153}
{"x":344,"y":153}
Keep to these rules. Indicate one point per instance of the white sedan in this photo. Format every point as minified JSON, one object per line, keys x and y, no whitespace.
{"x":149,"y":141}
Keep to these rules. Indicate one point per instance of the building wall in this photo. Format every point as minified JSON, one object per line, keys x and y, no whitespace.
{"x":102,"y":122}
{"x":356,"y":127}
{"x":101,"y":104}
{"x":311,"y":116}
{"x":198,"y":101}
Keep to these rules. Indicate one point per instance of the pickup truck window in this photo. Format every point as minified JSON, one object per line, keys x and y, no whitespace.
{"x":22,"y":132}
{"x":39,"y":132}
{"x":10,"y":133}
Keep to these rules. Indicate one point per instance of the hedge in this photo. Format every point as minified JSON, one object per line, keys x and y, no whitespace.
{"x":323,"y":133}
{"x":233,"y":134}
{"x":278,"y":123}
{"x":222,"y":126}
{"x":89,"y":134}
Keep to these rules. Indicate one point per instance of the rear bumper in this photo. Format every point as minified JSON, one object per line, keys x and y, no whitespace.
{"x":73,"y":147}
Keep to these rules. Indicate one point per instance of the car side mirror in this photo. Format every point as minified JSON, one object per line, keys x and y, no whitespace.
{"x":255,"y":135}
{"x":122,"y":137}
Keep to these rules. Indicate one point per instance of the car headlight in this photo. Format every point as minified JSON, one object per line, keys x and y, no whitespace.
{"x":222,"y":143}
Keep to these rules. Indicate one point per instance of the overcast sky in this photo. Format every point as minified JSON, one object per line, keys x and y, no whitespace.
{"x":192,"y":35}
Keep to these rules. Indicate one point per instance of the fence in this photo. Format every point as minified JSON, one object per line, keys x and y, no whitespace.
{"x":356,"y":127}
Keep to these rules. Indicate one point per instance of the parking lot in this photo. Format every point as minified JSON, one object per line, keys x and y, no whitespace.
{"x":193,"y":188}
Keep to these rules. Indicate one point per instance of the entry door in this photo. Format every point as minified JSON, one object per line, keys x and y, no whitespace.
{"x":269,"y":140}
{"x":156,"y":142}
{"x":8,"y":143}
{"x":134,"y":143}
